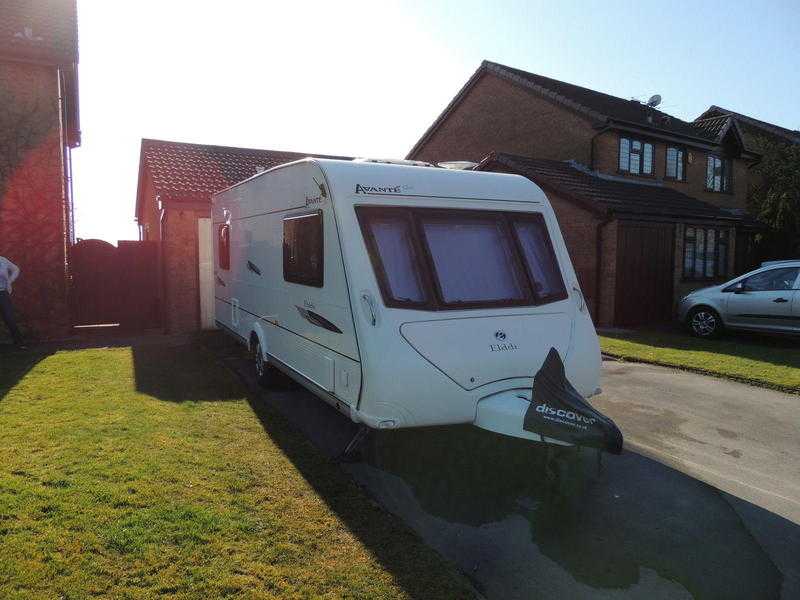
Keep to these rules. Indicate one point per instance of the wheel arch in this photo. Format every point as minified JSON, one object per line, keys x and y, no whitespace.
{"x":706,"y":306}
{"x":257,"y":334}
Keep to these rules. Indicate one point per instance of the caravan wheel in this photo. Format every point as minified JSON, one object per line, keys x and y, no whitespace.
{"x":262,"y":368}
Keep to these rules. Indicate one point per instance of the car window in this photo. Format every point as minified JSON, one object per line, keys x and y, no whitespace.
{"x":772,"y":280}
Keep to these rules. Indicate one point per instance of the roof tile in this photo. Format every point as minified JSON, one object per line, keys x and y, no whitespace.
{"x":601,"y":106}
{"x":195,"y":171}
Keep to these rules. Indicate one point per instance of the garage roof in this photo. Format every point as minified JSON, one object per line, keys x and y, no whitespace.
{"x":193,"y":172}
{"x":608,"y":194}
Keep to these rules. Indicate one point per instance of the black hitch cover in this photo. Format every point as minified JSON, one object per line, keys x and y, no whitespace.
{"x":558,"y":411}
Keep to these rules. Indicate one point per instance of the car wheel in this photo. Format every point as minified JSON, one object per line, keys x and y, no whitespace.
{"x":262,"y":368}
{"x":704,"y":322}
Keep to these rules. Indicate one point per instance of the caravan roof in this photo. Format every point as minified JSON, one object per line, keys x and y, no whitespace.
{"x":381,"y":179}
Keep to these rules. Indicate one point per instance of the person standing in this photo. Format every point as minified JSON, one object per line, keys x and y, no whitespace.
{"x":8,"y":275}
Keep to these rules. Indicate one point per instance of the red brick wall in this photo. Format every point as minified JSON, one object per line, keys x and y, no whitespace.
{"x":180,"y":265}
{"x":579,"y":228}
{"x":150,"y":222}
{"x":497,"y":115}
{"x":33,"y":212}
{"x":606,"y":160}
{"x":608,"y":274}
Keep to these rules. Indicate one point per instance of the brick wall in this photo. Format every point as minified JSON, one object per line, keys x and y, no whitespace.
{"x":606,"y":160}
{"x":608,"y":274}
{"x":33,"y":213}
{"x":150,"y":220}
{"x":180,"y":265}
{"x":497,"y":115}
{"x":579,"y":228}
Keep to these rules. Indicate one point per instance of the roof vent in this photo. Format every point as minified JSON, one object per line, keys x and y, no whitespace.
{"x":395,"y":161}
{"x":457,"y":165}
{"x":654,"y":101}
{"x":260,"y":168}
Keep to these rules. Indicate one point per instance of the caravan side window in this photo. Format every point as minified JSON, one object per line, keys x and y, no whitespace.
{"x":224,"y":246}
{"x":395,"y":256}
{"x":303,"y":260}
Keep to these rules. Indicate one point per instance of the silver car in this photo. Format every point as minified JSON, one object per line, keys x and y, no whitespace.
{"x":767,"y":299}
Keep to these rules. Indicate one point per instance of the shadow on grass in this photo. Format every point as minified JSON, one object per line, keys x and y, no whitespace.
{"x":287,"y":419}
{"x":775,"y":349}
{"x":15,"y":364}
{"x":182,"y":372}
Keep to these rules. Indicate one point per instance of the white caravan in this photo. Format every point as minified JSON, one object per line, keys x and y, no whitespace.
{"x":409,"y":296}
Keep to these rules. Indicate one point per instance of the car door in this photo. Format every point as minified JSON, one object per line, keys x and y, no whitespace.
{"x":765,"y":300}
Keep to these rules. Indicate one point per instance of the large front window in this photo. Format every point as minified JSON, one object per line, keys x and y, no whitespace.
{"x":447,"y":259}
{"x":705,"y":253}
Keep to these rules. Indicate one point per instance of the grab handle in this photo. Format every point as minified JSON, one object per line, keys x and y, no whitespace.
{"x":369,"y":306}
{"x":581,"y":300}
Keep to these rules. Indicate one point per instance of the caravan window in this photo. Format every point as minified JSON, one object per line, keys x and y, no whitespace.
{"x":540,"y":258}
{"x":449,"y":259}
{"x":303,"y":260}
{"x":473,"y":258}
{"x":392,"y":237}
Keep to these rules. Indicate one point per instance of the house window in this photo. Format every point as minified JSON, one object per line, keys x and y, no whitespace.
{"x":303,"y":250}
{"x":635,"y":157}
{"x":705,"y":253}
{"x":718,"y":174}
{"x":676,"y":165}
{"x":224,"y":246}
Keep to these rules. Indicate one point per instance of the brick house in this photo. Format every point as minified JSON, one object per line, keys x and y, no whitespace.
{"x":716,"y":119}
{"x":173,"y":207}
{"x":651,"y":206}
{"x":39,"y":125}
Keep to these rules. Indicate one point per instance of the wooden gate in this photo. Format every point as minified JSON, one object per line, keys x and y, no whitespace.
{"x":115,"y":284}
{"x":645,"y":271}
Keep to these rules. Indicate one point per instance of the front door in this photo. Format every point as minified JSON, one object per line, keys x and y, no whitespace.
{"x":765,"y":300}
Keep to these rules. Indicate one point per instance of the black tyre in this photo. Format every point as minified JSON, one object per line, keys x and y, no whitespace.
{"x":263,"y":370}
{"x":704,"y":322}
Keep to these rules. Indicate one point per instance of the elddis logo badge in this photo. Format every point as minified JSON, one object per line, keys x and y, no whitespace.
{"x":503,"y":346}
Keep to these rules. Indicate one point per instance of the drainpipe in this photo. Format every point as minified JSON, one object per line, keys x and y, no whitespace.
{"x":591,"y":145}
{"x":162,"y":275}
{"x":598,"y":282}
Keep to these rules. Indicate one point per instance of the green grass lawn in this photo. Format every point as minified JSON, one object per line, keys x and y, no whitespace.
{"x":770,"y":361}
{"x":145,"y":472}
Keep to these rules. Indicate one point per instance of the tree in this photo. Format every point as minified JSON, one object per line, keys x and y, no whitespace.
{"x":774,"y":197}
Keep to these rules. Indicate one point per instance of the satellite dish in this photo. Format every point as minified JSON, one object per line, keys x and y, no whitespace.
{"x":654,"y":101}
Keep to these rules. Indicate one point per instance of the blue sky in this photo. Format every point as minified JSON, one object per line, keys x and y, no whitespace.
{"x":367,"y":79}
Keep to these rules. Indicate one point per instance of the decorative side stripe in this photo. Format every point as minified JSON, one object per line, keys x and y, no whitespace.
{"x":317,"y":319}
{"x":253,"y":268}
